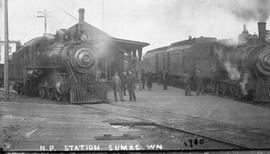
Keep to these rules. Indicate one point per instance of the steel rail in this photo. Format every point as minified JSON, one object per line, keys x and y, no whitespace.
{"x":166,"y":126}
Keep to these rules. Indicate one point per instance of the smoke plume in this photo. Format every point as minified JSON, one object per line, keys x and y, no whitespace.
{"x":243,"y":84}
{"x":232,"y":71}
{"x":250,"y":10}
{"x":218,"y":51}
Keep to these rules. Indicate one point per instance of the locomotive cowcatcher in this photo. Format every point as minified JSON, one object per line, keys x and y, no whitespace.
{"x":73,"y":65}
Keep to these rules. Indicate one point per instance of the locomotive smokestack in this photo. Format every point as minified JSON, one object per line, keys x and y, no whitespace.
{"x":262,"y":30}
{"x":81,"y":15}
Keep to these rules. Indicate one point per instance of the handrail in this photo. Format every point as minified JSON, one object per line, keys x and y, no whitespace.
{"x":72,"y":72}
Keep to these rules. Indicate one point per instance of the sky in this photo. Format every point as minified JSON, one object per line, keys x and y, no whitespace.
{"x":158,"y":22}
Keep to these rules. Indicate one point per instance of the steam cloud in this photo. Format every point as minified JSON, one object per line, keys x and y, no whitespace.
{"x":250,"y":10}
{"x":232,"y":71}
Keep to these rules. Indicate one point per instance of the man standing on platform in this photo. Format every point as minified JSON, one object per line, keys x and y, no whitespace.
{"x":131,"y":86}
{"x":187,"y":83}
{"x":165,"y":80}
{"x":139,"y":79}
{"x":149,"y":80}
{"x":117,"y":87}
{"x":123,"y":78}
{"x":143,"y":77}
{"x":199,"y":82}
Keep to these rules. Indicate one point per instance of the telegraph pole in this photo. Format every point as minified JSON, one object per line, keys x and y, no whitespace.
{"x":43,"y":14}
{"x":103,"y":27}
{"x":6,"y":80}
{"x":103,"y":9}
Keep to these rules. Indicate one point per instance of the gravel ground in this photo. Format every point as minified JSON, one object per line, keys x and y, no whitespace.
{"x":28,"y":122}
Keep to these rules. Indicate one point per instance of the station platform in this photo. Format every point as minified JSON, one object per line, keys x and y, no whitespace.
{"x":240,"y":123}
{"x":251,"y":116}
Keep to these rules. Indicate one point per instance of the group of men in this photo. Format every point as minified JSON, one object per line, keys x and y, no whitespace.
{"x":128,"y":80}
{"x":148,"y":78}
{"x":199,"y":83}
{"x":123,"y":82}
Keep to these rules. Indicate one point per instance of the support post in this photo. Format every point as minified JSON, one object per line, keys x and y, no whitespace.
{"x":140,"y":54}
{"x":6,"y":79}
{"x":134,"y":52}
{"x":45,"y":21}
{"x":106,"y":67}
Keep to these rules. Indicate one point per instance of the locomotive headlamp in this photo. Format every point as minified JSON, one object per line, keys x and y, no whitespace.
{"x":84,"y":37}
{"x":267,"y":59}
{"x":263,"y":63}
{"x":30,"y":72}
{"x":82,"y":60}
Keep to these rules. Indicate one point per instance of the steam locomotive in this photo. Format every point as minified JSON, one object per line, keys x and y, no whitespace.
{"x":239,"y":70}
{"x":57,"y":67}
{"x":72,"y":65}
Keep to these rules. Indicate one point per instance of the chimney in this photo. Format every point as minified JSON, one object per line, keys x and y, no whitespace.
{"x":81,"y":15}
{"x":262,"y":30}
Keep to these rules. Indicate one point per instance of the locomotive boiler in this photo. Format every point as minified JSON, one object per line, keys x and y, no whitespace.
{"x":238,"y":70}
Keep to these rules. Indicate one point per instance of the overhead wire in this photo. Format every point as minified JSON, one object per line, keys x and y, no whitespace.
{"x":63,"y":10}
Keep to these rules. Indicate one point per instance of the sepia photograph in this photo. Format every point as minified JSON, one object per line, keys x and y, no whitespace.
{"x":135,"y":76}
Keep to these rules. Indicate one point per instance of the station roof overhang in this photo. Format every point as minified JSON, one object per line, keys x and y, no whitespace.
{"x":127,"y":46}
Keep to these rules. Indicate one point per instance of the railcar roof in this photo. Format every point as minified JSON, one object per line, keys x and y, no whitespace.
{"x":194,"y":40}
{"x":183,"y":44}
{"x":158,"y":49}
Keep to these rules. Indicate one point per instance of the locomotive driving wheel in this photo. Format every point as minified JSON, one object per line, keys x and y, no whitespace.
{"x":237,"y":92}
{"x":57,"y":95}
{"x":50,"y":94}
{"x":222,"y":88}
{"x":231,"y":89}
{"x":42,"y":92}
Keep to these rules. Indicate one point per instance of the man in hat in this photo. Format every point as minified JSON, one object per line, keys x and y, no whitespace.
{"x":131,"y":86}
{"x":187,"y":83}
{"x":117,"y":87}
{"x":199,"y":82}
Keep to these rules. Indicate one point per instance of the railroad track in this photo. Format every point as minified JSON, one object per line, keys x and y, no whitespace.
{"x":199,"y":119}
{"x":202,"y":127}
